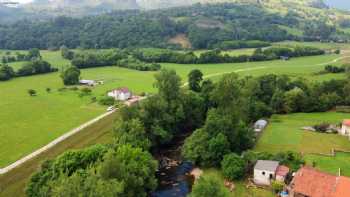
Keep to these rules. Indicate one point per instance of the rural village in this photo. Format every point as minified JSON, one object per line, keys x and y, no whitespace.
{"x":197,"y":98}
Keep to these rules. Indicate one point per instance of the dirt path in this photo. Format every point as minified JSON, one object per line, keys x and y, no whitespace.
{"x":53,"y":143}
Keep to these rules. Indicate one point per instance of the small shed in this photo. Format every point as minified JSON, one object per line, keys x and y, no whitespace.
{"x":260,"y":125}
{"x":284,"y":58}
{"x":281,"y":173}
{"x":87,"y":82}
{"x":265,"y":172}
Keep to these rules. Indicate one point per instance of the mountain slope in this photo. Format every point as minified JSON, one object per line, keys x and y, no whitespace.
{"x":201,"y":25}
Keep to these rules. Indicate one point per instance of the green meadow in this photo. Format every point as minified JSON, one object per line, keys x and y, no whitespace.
{"x":28,"y":123}
{"x":284,"y":133}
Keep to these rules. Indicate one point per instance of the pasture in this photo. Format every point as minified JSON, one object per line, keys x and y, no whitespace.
{"x":284,"y":133}
{"x":27,"y":123}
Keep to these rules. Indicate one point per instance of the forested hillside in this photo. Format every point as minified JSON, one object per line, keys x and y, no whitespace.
{"x":205,"y":26}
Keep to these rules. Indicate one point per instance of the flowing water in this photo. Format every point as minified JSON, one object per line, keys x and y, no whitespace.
{"x":173,"y":175}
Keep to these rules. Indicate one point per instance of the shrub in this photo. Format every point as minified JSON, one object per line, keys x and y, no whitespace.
{"x":322,"y":128}
{"x":106,"y":100}
{"x":233,"y":166}
{"x":208,"y":187}
{"x":277,"y":186}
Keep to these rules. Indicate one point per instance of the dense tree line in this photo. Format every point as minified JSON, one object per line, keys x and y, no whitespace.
{"x":117,"y":57}
{"x":29,"y":68}
{"x":215,"y":56}
{"x":96,"y":171}
{"x":31,"y":55}
{"x":241,"y":44}
{"x":207,"y":26}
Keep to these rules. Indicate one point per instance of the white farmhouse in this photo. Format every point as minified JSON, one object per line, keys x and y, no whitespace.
{"x":121,"y":94}
{"x":345,"y":128}
{"x":265,"y":172}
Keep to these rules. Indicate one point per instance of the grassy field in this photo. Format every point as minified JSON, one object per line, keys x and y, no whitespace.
{"x":284,"y":133}
{"x":331,"y":164}
{"x":322,"y":45}
{"x":32,"y":122}
{"x":240,"y":187}
{"x":13,"y":183}
{"x":233,"y":52}
{"x":27,"y":123}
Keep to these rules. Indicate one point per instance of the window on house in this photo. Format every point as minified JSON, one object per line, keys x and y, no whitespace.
{"x":271,"y":176}
{"x":263,"y":173}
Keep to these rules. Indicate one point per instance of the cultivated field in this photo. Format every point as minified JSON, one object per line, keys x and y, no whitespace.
{"x":284,"y":133}
{"x":31,"y":122}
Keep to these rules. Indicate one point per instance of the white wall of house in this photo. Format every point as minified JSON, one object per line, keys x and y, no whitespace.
{"x":263,"y":177}
{"x":118,"y":95}
{"x":345,"y":130}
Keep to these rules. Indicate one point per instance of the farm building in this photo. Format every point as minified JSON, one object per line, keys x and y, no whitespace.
{"x":260,"y":125}
{"x":285,"y":58}
{"x":88,"y":82}
{"x":309,"y":182}
{"x":265,"y":172}
{"x":121,"y":94}
{"x":345,"y":128}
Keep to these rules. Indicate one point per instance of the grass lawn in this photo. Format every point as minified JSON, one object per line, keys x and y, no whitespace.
{"x":233,"y":52}
{"x":14,"y":182}
{"x":240,"y":187}
{"x":284,"y":134}
{"x":331,"y":164}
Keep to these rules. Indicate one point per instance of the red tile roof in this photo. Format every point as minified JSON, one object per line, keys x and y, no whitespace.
{"x":124,"y":90}
{"x":342,"y":187}
{"x":311,"y":182}
{"x":282,"y":170}
{"x":346,"y":122}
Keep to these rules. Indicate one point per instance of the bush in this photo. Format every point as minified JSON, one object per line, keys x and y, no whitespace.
{"x":106,"y":100}
{"x":277,"y":186}
{"x":85,"y":92}
{"x":233,"y":167}
{"x":322,"y":128}
{"x":209,"y":187}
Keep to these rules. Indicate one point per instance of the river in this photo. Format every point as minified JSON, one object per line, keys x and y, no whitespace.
{"x":174,"y":174}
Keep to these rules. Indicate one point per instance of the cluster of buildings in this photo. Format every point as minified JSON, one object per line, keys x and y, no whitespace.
{"x":306,"y":182}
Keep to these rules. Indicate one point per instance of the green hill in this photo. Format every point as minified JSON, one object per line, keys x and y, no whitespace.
{"x":200,"y":25}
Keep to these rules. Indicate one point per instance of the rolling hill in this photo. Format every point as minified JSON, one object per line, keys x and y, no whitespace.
{"x":200,"y":25}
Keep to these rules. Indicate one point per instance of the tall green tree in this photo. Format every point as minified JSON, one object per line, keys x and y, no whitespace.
{"x":134,"y":167}
{"x":195,"y":78}
{"x":71,"y":76}
{"x":168,"y":84}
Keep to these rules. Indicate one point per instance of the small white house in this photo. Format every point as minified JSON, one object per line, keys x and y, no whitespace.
{"x":260,"y":125}
{"x":121,"y":94}
{"x":345,"y":128}
{"x":265,"y":172}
